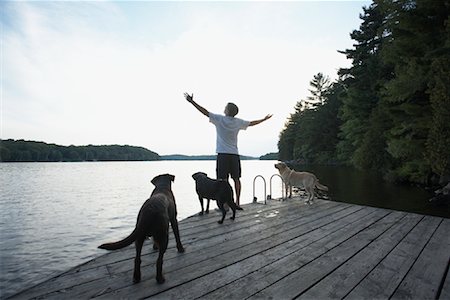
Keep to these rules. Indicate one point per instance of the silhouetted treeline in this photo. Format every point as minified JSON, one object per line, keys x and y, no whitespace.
{"x":390,"y":111}
{"x":269,"y":156}
{"x":30,"y":151}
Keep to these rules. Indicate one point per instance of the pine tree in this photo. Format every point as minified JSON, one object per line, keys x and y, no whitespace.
{"x":438,"y":142}
{"x":363,"y":82}
{"x":418,"y":31}
{"x":311,"y":135}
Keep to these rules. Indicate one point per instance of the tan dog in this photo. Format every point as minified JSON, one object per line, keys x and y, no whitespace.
{"x":299,"y":179}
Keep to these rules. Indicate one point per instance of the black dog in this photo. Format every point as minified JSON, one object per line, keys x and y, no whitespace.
{"x":219,"y":190}
{"x":153,"y":220}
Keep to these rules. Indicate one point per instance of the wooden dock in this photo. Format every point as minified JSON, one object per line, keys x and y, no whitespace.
{"x":282,"y":250}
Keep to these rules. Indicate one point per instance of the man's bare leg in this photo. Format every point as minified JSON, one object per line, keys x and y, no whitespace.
{"x":237,"y":188}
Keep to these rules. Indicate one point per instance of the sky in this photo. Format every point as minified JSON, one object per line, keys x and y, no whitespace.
{"x":102,"y":73}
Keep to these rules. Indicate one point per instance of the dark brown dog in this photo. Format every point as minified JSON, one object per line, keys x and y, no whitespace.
{"x":153,"y":220}
{"x":219,"y":190}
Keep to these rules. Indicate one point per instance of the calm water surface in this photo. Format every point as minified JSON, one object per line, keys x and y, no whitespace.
{"x":365,"y":188}
{"x":54,"y":215}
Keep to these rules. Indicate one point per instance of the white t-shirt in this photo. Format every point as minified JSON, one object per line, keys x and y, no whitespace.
{"x":227,"y":129}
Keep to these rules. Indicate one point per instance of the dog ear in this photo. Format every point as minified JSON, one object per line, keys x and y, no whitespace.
{"x":155,"y":179}
{"x":159,"y":177}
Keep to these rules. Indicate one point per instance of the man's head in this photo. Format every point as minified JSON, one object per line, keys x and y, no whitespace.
{"x":231,"y":109}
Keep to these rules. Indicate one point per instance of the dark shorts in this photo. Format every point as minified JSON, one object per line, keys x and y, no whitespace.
{"x":228,"y":164}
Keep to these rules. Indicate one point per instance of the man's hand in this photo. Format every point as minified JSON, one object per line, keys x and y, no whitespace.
{"x":268,"y":117}
{"x":188,"y":97}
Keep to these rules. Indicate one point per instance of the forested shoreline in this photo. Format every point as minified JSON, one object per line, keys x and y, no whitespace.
{"x":390,"y":111}
{"x":31,"y":151}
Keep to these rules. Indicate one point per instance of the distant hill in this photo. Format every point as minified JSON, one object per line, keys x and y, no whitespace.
{"x":270,"y":156}
{"x":198,"y":157}
{"x":187,"y":157}
{"x":32,"y":151}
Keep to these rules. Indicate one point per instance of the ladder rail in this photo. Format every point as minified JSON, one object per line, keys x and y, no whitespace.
{"x":270,"y":187}
{"x":282,"y":185}
{"x":265,"y":190}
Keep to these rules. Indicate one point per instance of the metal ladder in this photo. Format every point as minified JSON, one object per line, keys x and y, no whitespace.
{"x":268,"y":197}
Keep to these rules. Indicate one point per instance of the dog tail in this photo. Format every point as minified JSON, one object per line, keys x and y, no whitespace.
{"x":321,"y":186}
{"x":121,"y":244}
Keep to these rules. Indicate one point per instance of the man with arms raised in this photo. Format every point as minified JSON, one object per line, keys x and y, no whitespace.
{"x":227,"y":128}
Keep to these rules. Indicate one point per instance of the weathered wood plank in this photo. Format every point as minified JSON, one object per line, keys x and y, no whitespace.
{"x":222,"y":234}
{"x":341,"y":281}
{"x":202,"y":228}
{"x":231,"y":281}
{"x":221,"y":256}
{"x":280,"y":250}
{"x":124,"y":256}
{"x":385,"y":278}
{"x":429,"y":269}
{"x":41,"y":289}
{"x":309,"y":274}
{"x":122,"y":277}
{"x":445,"y":291}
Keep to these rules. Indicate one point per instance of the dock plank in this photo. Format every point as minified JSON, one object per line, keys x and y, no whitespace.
{"x":340,"y":282}
{"x":309,"y":274}
{"x":430,"y":267}
{"x":121,"y":274}
{"x":247,"y":281}
{"x":445,"y":291}
{"x":386,"y":277}
{"x":282,"y":250}
{"x":200,"y":263}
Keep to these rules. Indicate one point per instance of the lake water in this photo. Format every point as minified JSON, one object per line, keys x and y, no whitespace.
{"x":54,"y":215}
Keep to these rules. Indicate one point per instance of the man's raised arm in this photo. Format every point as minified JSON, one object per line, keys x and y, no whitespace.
{"x":190,"y":99}
{"x":256,"y":122}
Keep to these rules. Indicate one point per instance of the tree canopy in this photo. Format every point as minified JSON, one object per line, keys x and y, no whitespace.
{"x":389,"y":111}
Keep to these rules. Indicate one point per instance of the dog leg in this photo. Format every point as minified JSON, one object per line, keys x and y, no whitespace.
{"x":234,"y":212}
{"x":207,"y":206}
{"x":310,"y":191}
{"x":137,"y":260}
{"x":163,"y":242}
{"x":155,"y":244}
{"x":201,"y":204}
{"x":176,"y":232}
{"x":224,"y":212}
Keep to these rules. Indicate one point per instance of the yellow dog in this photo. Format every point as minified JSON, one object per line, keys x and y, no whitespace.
{"x":299,"y":179}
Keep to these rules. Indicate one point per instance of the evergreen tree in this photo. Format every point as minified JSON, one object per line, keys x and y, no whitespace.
{"x":311,"y":135}
{"x":288,"y":135}
{"x":320,"y":85}
{"x":393,"y":102}
{"x":418,"y":32}
{"x":438,"y":142}
{"x":363,"y":82}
